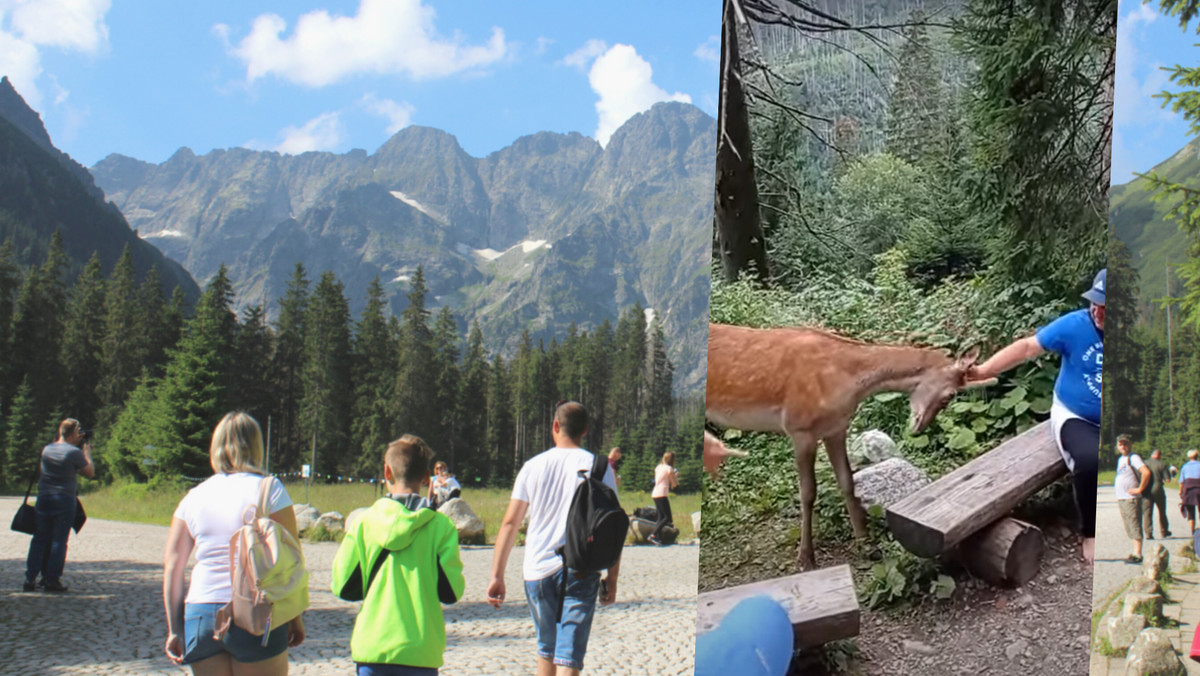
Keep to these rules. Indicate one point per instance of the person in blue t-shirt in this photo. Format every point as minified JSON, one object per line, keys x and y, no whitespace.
{"x":1078,"y":337}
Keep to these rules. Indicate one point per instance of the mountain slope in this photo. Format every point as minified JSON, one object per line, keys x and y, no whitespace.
{"x":550,"y":230}
{"x":41,"y":191}
{"x":1141,"y":223}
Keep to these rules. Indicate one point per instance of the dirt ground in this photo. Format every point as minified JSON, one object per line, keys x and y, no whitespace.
{"x":1041,"y":627}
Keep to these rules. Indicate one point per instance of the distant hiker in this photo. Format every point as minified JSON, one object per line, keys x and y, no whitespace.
{"x":1156,"y":496}
{"x":1078,"y":337}
{"x":60,"y":462}
{"x":666,"y":477}
{"x":1133,"y":477}
{"x":443,"y":487}
{"x":614,"y":459}
{"x":206,"y":519}
{"x":401,"y":560}
{"x":545,"y":487}
{"x":1189,"y":487}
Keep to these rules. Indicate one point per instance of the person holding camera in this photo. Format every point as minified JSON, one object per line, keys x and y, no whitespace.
{"x":61,"y":461}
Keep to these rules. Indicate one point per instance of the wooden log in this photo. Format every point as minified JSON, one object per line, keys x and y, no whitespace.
{"x":821,"y":604}
{"x":1007,"y":553}
{"x":947,"y":511}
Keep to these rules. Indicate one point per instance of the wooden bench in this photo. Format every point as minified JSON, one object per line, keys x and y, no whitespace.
{"x":821,"y":604}
{"x":976,"y":495}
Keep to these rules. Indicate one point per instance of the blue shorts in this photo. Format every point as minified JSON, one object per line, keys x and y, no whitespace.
{"x":199,"y":623}
{"x":563,"y":642}
{"x":363,"y":669}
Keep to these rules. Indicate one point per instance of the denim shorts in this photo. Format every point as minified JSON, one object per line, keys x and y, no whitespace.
{"x":563,"y":642}
{"x":199,"y":623}
{"x":363,"y":669}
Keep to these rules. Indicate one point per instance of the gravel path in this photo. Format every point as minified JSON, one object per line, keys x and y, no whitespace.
{"x":1110,"y":572}
{"x":111,"y":620}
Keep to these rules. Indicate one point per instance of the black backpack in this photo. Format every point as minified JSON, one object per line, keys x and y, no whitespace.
{"x":596,"y":527}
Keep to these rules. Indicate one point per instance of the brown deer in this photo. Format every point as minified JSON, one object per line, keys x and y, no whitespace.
{"x":808,"y":384}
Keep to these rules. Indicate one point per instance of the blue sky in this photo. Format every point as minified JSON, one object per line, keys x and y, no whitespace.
{"x":145,"y":77}
{"x":1144,"y":132}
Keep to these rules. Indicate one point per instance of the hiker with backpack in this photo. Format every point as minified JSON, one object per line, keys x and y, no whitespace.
{"x":576,"y":529}
{"x":407,"y":553}
{"x":217,"y":517}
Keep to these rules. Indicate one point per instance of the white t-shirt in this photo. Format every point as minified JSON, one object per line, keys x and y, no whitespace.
{"x":443,"y":489}
{"x":662,"y":481}
{"x":1129,"y":475}
{"x":213,"y":513}
{"x":548,"y":482}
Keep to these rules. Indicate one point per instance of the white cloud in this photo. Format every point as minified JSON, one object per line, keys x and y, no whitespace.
{"x":398,"y":115}
{"x":323,"y":132}
{"x":1136,"y":80}
{"x":581,"y":57}
{"x":542,"y":45}
{"x":622,"y":79}
{"x":709,"y":50}
{"x":26,"y":26}
{"x":384,"y":37}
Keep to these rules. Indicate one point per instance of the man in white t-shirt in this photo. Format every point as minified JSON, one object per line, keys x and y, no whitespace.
{"x":544,"y":488}
{"x":1132,"y":478}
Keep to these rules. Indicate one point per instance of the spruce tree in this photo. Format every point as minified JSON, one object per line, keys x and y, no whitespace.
{"x":445,"y":354}
{"x":415,"y":395}
{"x":82,"y":338}
{"x":326,"y":405}
{"x":122,"y":348}
{"x":10,"y":282}
{"x":471,"y":459}
{"x":20,"y":442}
{"x":287,"y":365}
{"x":374,"y":376}
{"x":253,"y":390}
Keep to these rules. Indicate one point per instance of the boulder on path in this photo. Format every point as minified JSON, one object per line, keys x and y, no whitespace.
{"x":1153,"y":655}
{"x":642,"y":529}
{"x":1121,"y":631}
{"x":1156,"y":563}
{"x":470,"y":527}
{"x":1149,"y":606}
{"x":870,"y":448}
{"x":888,"y":482}
{"x":1141,"y":585}
{"x":332,"y":521}
{"x":354,"y":516}
{"x":696,"y":523}
{"x":306,"y":516}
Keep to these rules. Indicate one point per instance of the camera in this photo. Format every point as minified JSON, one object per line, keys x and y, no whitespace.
{"x":87,"y":435}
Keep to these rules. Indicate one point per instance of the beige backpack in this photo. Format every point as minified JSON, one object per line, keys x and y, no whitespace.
{"x":270,"y":584}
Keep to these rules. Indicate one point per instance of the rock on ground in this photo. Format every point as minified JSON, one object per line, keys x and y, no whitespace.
{"x":1121,"y":631}
{"x":354,"y":516}
{"x":470,"y":527}
{"x":869,"y":448}
{"x":696,"y":522}
{"x":1153,"y":655}
{"x":332,"y":521}
{"x":1141,"y":585}
{"x":642,"y":529}
{"x":888,"y":482}
{"x":306,"y":516}
{"x":1149,"y":606}
{"x":1157,"y":562}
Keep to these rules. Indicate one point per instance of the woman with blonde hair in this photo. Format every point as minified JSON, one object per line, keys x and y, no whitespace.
{"x":205,"y":520}
{"x":666,"y":477}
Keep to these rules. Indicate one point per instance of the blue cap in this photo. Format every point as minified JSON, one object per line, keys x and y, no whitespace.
{"x":1096,"y":293}
{"x":755,"y":639}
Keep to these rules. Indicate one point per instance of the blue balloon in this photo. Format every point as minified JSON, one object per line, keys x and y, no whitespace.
{"x":755,"y":639}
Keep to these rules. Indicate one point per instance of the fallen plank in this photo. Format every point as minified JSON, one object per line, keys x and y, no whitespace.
{"x":820,"y":603}
{"x":1008,"y":552}
{"x":947,"y":511}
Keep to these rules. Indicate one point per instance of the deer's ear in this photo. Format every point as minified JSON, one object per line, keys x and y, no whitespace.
{"x":967,"y":360}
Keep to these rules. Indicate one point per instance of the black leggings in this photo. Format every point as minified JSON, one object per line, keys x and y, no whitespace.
{"x":1081,"y":440}
{"x":663,"y":506}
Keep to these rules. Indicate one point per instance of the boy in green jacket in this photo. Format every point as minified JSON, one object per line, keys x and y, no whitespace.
{"x":407,"y":554}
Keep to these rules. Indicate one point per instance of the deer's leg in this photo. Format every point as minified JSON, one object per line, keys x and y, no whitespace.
{"x":806,"y":457}
{"x":835,"y":446}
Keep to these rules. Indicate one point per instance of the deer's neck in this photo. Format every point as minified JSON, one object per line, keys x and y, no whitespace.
{"x":893,"y":368}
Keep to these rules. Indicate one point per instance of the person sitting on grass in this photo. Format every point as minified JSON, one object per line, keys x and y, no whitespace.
{"x":401,"y":560}
{"x":1189,"y":488}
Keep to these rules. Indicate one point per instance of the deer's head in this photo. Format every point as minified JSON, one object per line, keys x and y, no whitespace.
{"x":937,"y":387}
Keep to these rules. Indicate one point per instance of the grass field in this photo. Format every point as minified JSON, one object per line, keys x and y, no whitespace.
{"x":140,"y":504}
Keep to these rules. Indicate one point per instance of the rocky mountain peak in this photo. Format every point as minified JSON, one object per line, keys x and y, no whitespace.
{"x":14,"y":109}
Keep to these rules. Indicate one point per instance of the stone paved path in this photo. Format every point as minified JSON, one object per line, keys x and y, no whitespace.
{"x":111,"y":620}
{"x":1110,"y":572}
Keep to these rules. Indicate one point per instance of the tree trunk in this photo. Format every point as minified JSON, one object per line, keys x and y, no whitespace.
{"x":737,"y":230}
{"x":1009,"y":552}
